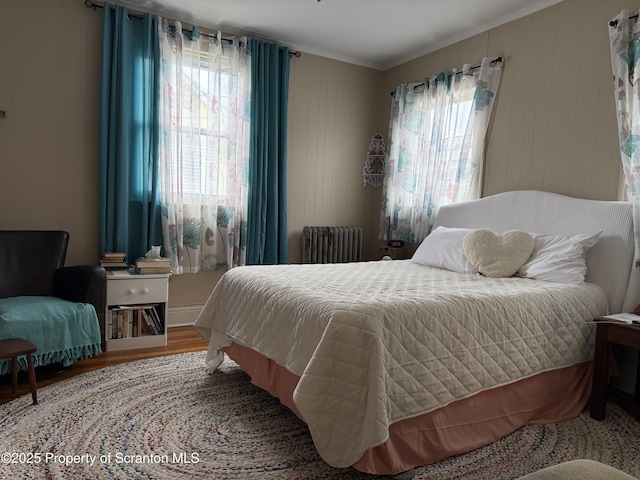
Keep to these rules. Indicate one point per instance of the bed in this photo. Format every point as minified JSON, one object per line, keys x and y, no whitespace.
{"x":396,"y":364}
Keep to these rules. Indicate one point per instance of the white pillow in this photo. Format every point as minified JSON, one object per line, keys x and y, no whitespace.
{"x":559,"y":258}
{"x":443,"y":249}
{"x":498,"y":255}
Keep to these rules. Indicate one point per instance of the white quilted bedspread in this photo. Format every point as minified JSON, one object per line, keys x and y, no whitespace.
{"x":378,"y":342}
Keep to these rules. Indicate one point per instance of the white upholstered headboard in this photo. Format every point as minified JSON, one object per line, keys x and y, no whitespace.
{"x":609,"y":262}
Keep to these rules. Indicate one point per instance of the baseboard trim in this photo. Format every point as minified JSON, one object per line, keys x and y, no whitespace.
{"x":183,"y":315}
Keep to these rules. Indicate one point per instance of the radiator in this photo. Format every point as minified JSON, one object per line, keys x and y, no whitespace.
{"x":331,"y":244}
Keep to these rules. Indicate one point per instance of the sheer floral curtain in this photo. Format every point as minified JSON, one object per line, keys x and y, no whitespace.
{"x":624,"y":36}
{"x":204,"y":148}
{"x":436,"y":151}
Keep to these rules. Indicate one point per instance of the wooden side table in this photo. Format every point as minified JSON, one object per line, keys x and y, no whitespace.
{"x":13,"y":348}
{"x":610,"y":332}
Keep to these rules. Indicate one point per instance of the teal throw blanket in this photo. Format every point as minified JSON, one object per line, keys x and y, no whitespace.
{"x":62,"y":331}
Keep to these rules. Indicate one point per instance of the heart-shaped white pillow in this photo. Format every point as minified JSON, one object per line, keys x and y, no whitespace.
{"x":498,"y":255}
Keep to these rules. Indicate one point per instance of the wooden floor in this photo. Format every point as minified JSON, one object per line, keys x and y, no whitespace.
{"x":179,"y":340}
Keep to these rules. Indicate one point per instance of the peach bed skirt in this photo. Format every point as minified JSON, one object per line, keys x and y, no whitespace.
{"x":457,"y":428}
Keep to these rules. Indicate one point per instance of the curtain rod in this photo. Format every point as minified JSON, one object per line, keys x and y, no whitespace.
{"x":473,"y":67}
{"x":614,"y":23}
{"x":90,"y":4}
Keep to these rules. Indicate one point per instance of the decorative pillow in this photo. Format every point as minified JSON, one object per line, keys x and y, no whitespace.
{"x":498,"y":255}
{"x":559,"y":258}
{"x":443,"y":249}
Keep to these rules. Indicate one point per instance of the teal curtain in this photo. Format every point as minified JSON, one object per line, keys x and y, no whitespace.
{"x":129,"y":212}
{"x":267,"y":241}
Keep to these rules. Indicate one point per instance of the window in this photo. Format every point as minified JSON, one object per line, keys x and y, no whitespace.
{"x":435,"y":154}
{"x":204,"y":149}
{"x":204,"y":126}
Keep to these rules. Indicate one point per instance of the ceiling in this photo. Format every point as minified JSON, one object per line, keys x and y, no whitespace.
{"x":378,"y":34}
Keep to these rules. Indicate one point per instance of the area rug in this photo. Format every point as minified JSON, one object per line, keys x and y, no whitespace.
{"x":168,"y":418}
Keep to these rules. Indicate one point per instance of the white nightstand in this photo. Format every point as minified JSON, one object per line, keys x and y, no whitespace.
{"x":136,"y":310}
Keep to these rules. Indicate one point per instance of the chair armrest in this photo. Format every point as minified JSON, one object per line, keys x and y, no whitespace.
{"x":82,"y":283}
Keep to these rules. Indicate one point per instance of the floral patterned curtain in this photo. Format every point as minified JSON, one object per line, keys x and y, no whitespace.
{"x":624,"y":36}
{"x":204,"y":149}
{"x":435,"y":155}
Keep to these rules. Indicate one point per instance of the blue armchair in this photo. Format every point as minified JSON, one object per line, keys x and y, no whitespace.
{"x":56,"y":308}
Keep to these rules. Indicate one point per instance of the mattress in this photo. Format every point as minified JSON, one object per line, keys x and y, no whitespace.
{"x":375,"y":343}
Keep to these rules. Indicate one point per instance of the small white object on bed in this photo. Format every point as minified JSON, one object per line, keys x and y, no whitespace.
{"x":498,"y":255}
{"x":375,"y":343}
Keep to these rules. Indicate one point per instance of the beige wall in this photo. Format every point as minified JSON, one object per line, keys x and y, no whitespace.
{"x":333,"y":115}
{"x":50,"y":87}
{"x":554,"y":124}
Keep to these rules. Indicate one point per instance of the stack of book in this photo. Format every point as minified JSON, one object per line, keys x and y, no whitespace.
{"x":113,"y":260}
{"x":134,"y":321}
{"x":153,"y":265}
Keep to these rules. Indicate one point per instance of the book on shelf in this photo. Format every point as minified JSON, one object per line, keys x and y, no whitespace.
{"x":150,"y":326}
{"x":139,"y":322}
{"x":156,"y":320}
{"x":129,"y":321}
